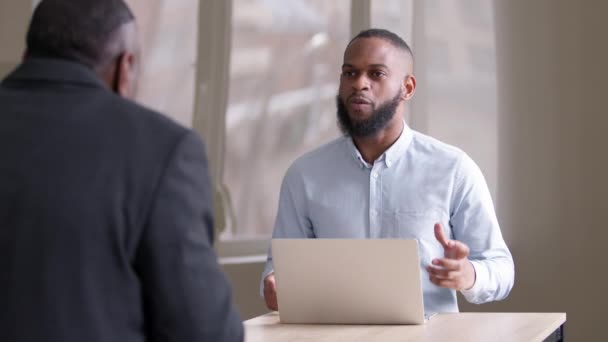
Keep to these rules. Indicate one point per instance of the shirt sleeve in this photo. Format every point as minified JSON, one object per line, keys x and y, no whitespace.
{"x":473,"y":221}
{"x":292,"y":219}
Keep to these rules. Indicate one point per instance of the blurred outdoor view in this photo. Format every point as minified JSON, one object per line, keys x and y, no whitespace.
{"x":286,"y":58}
{"x":284,"y":68}
{"x":284,"y":72}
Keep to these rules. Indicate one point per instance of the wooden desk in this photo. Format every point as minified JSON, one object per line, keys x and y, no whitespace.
{"x":469,"y":327}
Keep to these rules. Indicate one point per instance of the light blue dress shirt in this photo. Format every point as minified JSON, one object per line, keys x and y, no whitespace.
{"x":332,"y":192}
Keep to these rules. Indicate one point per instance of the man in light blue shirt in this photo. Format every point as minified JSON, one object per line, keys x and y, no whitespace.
{"x":384,"y":180}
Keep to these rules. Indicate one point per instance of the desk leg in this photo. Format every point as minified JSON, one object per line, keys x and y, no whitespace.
{"x":556,"y":336}
{"x":560,"y":334}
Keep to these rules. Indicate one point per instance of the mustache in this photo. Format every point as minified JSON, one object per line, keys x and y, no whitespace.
{"x":359,"y":98}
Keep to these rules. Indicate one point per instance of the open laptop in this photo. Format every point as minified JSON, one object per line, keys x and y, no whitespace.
{"x":345,"y":281}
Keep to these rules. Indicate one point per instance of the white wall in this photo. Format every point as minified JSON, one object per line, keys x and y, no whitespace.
{"x":553,"y":166}
{"x":14,"y":18}
{"x":245,"y":280}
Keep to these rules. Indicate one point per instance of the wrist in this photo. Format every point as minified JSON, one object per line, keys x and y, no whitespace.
{"x":470,"y":275}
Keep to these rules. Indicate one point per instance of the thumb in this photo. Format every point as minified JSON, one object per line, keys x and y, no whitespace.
{"x":460,"y":250}
{"x":440,"y":236}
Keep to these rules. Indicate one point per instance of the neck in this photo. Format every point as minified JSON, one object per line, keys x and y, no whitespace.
{"x":106,"y":74}
{"x":371,"y":148}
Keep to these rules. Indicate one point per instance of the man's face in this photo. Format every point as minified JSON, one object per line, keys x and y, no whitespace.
{"x":371,"y":85}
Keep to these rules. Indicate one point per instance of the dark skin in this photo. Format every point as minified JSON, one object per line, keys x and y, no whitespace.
{"x":374,"y":71}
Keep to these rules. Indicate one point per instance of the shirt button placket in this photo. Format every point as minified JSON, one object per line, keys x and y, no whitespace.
{"x":374,"y":202}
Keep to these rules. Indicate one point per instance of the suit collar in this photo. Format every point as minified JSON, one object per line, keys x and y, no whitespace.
{"x":55,"y":71}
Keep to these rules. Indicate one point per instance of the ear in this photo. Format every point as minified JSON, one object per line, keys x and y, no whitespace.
{"x":125,"y":75}
{"x":408,"y":87}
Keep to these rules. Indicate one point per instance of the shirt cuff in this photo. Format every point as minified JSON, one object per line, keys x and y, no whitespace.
{"x":268,"y":269}
{"x":473,"y":294}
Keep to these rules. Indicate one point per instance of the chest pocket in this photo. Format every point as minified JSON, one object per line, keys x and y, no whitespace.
{"x":419,"y":225}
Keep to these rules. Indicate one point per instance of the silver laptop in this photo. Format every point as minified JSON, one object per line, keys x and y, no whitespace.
{"x":345,"y":281}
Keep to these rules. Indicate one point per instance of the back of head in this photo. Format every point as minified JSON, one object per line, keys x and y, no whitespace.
{"x":82,"y":31}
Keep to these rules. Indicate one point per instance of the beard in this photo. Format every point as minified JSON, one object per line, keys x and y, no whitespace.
{"x":371,"y":126}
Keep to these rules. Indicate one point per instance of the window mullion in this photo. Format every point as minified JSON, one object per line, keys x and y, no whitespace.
{"x":211,"y":87}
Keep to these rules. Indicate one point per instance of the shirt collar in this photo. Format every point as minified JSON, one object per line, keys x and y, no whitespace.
{"x":391,"y":155}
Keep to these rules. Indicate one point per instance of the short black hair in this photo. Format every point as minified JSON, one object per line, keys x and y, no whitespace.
{"x":387,"y":35}
{"x":76,"y":30}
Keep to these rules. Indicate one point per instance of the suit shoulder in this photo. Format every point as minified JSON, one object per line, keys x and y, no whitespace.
{"x":139,"y":115}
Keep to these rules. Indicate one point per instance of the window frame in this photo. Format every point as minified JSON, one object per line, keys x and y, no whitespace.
{"x":210,"y":105}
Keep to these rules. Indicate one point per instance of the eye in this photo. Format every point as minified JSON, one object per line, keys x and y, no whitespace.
{"x":377,"y":74}
{"x":348,"y":73}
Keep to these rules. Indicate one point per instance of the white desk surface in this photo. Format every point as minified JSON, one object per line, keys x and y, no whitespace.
{"x":469,"y":327}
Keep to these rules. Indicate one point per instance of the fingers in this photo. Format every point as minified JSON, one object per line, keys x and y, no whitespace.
{"x":440,"y":236}
{"x":271,"y":302}
{"x":444,"y":268}
{"x":270,"y":293}
{"x":454,"y":274}
{"x":442,"y":274}
{"x":446,"y":283}
{"x":448,"y":277}
{"x":458,"y":250}
{"x":450,"y":264}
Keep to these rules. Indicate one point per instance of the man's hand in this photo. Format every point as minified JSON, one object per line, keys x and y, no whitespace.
{"x":454,"y":271}
{"x":270,"y":292}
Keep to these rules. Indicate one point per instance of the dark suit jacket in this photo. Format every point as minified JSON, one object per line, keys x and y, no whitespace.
{"x":105,"y":217}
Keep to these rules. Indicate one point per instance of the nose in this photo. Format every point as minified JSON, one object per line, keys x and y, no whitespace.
{"x":360,"y":83}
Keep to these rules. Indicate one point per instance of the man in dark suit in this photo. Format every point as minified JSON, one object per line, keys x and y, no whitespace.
{"x":105,"y":206}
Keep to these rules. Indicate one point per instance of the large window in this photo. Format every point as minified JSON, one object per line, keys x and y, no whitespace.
{"x":168,"y":33}
{"x":453,"y":43}
{"x":284,"y":68}
{"x":268,"y":95}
